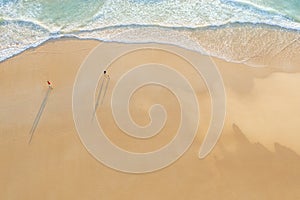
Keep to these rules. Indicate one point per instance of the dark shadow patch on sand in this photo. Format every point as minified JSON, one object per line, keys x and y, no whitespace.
{"x":39,"y":115}
{"x":251,"y":171}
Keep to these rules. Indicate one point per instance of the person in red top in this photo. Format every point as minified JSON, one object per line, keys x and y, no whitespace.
{"x":49,"y":84}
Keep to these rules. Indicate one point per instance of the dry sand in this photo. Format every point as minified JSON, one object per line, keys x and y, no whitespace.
{"x":257,"y":156}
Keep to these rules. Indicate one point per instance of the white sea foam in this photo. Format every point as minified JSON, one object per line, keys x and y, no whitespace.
{"x":24,"y":24}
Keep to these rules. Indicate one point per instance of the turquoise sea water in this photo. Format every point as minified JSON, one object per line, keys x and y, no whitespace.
{"x":28,"y":23}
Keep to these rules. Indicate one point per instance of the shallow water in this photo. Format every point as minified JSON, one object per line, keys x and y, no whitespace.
{"x":28,"y":23}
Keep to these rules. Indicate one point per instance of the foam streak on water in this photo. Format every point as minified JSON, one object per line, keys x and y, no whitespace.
{"x":28,"y":23}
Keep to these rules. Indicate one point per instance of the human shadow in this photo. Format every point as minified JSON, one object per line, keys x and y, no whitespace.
{"x":101,"y":95}
{"x":39,"y":114}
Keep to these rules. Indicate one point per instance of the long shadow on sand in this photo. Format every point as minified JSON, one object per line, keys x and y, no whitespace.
{"x":103,"y":85}
{"x":39,"y":114}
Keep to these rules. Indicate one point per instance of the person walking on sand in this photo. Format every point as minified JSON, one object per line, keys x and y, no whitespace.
{"x":106,"y":76}
{"x":103,"y":88}
{"x":49,"y":84}
{"x":106,"y":81}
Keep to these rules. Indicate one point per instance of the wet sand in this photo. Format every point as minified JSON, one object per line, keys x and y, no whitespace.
{"x":257,"y":156}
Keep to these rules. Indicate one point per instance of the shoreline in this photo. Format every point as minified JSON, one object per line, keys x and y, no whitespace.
{"x":191,"y":33}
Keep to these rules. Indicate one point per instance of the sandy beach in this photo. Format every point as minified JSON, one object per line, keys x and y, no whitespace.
{"x":257,"y":156}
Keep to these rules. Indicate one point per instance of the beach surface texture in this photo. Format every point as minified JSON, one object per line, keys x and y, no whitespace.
{"x":253,"y":45}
